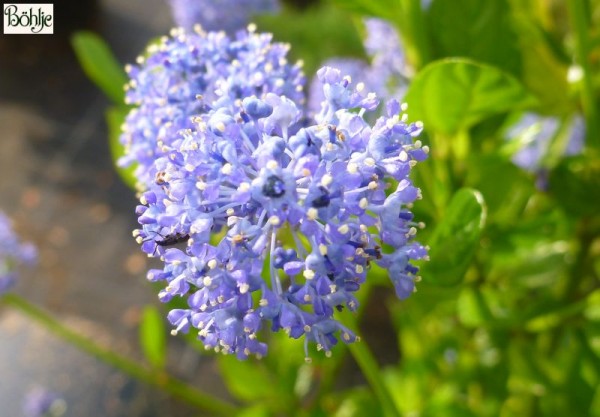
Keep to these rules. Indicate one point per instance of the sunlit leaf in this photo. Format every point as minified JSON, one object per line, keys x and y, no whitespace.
{"x":454,"y":94}
{"x":115,"y":116}
{"x":100,"y":65}
{"x":153,"y":336}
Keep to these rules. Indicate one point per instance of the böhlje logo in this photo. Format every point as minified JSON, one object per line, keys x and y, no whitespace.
{"x":28,"y":18}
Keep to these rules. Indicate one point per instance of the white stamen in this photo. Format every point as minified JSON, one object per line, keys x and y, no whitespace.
{"x":227,"y":169}
{"x":323,"y":249}
{"x":326,"y":180}
{"x":220,"y":126}
{"x":343,"y":229}
{"x":369,"y":162}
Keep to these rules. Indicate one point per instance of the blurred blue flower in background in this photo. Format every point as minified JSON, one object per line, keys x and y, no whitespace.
{"x":184,"y":74}
{"x":227,"y":15}
{"x":12,"y":254}
{"x":298,"y":204}
{"x":536,"y":133}
{"x":40,"y":402}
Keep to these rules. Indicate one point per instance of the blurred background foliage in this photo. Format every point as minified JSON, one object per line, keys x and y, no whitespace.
{"x":506,"y":321}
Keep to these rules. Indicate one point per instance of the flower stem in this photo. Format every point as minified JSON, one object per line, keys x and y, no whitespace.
{"x":579,"y":16}
{"x":368,"y":364}
{"x":158,"y":379}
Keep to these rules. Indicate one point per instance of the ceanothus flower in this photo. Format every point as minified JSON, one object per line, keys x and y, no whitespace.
{"x":183,"y":75}
{"x":282,"y":218}
{"x":385,"y":74}
{"x":227,"y":15}
{"x":12,"y":254}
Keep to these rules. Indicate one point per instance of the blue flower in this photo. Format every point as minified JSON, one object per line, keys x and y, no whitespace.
{"x":385,"y":73}
{"x":12,"y":254}
{"x":40,"y":402}
{"x":189,"y":74}
{"x":227,"y":15}
{"x":536,"y":133}
{"x":303,"y":210}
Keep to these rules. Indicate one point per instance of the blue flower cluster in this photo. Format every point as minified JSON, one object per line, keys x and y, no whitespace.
{"x":227,"y":15}
{"x":12,"y":253}
{"x":281,"y":216}
{"x":167,"y":82}
{"x":387,"y":72}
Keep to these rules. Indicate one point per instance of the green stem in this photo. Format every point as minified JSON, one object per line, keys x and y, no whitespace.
{"x":370,"y":369}
{"x":579,"y":15}
{"x":368,"y":364}
{"x":161,"y":380}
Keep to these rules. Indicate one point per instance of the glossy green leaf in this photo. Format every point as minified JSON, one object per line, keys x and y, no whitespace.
{"x":153,"y":336}
{"x":454,"y":94}
{"x":115,"y":117}
{"x":456,"y":238}
{"x":100,"y":65}
{"x":480,"y":30}
{"x":247,"y":380}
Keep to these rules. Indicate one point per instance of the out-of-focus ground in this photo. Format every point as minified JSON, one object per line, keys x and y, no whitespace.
{"x":58,"y":185}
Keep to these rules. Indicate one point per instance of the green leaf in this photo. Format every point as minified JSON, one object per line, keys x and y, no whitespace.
{"x":575,"y":184}
{"x":454,"y":94}
{"x":472,"y":308}
{"x":247,"y":380}
{"x":480,"y":30}
{"x":100,"y":65}
{"x":153,"y":337}
{"x":259,"y":410}
{"x":115,"y":117}
{"x":358,"y":402}
{"x":504,"y":186}
{"x":456,"y":238}
{"x":385,"y":9}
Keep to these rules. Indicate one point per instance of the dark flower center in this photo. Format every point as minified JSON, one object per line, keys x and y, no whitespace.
{"x":273,"y":187}
{"x":322,"y":200}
